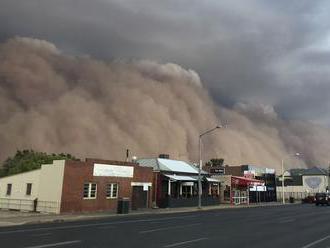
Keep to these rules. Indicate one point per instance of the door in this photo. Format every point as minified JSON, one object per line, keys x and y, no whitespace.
{"x":237,"y":197}
{"x":139,"y":197}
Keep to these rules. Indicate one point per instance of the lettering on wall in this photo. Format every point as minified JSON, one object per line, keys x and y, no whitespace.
{"x":108,"y":170}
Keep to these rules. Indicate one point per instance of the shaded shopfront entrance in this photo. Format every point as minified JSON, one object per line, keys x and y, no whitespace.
{"x":182,"y":191}
{"x":240,"y":189}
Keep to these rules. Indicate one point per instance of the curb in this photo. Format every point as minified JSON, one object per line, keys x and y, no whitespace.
{"x":73,"y":218}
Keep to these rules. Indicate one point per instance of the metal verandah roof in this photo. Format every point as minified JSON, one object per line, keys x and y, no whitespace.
{"x":181,"y":178}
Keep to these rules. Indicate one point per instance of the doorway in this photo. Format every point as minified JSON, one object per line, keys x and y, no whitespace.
{"x":139,"y":197}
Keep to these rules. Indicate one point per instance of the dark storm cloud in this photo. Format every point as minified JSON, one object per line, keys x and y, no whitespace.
{"x":233,"y":46}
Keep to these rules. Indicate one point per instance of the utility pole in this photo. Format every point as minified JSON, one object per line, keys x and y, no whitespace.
{"x":328,"y":178}
{"x":283,"y":200}
{"x":127,"y":155}
{"x":200,"y":167}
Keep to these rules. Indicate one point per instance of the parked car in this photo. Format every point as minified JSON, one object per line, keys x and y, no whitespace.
{"x":309,"y":199}
{"x":322,"y":199}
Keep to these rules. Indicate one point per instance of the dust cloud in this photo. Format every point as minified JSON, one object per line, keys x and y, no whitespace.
{"x":54,"y":102}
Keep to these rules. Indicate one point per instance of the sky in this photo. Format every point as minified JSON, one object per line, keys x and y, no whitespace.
{"x":249,"y":55}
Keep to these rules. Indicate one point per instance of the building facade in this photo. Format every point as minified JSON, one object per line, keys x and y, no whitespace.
{"x":262,"y":193}
{"x":236,"y":190}
{"x":175,"y":183}
{"x":300,"y":183}
{"x":78,"y":186}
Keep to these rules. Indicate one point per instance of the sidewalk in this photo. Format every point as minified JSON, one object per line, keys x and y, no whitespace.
{"x":13,"y":218}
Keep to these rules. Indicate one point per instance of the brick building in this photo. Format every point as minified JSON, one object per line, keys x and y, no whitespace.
{"x":78,"y":186}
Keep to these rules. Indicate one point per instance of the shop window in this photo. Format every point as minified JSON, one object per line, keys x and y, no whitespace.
{"x":90,"y":190}
{"x":112,"y":190}
{"x":226,"y":193}
{"x":214,"y":189}
{"x":28,"y":188}
{"x":186,"y":191}
{"x":9,"y":187}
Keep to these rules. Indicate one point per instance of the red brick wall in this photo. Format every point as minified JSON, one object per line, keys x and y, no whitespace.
{"x":76,"y":173}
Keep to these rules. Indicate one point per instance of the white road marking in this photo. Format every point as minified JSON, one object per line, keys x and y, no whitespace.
{"x":286,"y":221}
{"x":157,"y":222}
{"x":56,"y":244}
{"x":106,"y":227}
{"x":41,"y":234}
{"x":184,"y":242}
{"x":93,"y":225}
{"x":168,"y":228}
{"x":316,"y":242}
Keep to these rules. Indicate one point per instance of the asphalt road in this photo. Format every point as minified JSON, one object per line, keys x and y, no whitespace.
{"x":296,"y":226}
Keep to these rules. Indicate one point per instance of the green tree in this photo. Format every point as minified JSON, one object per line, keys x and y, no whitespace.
{"x":215,"y":162}
{"x":28,"y":160}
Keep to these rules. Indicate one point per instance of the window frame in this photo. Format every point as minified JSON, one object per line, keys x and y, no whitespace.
{"x":90,"y":192}
{"x":28,"y":191}
{"x":110,"y":190}
{"x":9,"y":189}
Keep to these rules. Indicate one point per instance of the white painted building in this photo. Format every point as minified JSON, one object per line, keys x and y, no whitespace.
{"x":45,"y":184}
{"x":78,"y":186}
{"x":300,"y":183}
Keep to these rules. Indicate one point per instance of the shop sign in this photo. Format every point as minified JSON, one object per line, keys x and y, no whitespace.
{"x":270,"y":171}
{"x":253,"y":188}
{"x":249,"y":174}
{"x":107,"y":170}
{"x":261,"y":188}
{"x":218,"y":171}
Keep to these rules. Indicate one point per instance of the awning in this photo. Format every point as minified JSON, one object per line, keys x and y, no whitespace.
{"x":243,"y":181}
{"x":181,"y":178}
{"x":213,"y":180}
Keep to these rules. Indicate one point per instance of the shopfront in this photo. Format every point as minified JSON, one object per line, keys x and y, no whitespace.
{"x":176,"y":184}
{"x":182,"y":191}
{"x":240,"y":189}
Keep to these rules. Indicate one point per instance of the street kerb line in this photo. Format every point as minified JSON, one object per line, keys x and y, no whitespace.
{"x":55,"y":244}
{"x":184,"y":242}
{"x":316,"y":242}
{"x":93,"y":225}
{"x":169,"y":228}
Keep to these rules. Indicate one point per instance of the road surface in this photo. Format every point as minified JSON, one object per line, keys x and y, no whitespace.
{"x":296,"y":226}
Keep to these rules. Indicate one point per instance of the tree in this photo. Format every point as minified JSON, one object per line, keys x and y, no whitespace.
{"x":215,"y":162}
{"x":28,"y":160}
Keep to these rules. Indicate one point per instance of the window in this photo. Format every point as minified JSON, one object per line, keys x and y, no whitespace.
{"x":112,"y":190}
{"x":28,"y":188}
{"x":9,"y":186}
{"x":186,"y":191}
{"x":90,"y":190}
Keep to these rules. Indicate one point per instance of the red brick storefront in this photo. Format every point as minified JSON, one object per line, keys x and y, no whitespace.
{"x":78,"y":173}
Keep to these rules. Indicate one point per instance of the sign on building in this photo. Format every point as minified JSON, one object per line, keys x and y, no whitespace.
{"x":107,"y":170}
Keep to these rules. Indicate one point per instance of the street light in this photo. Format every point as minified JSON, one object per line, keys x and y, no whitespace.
{"x":200,"y":164}
{"x":297,"y":154}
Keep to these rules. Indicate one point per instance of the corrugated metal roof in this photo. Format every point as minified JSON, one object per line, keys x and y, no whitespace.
{"x":209,"y":179}
{"x":176,"y":166}
{"x":181,"y":178}
{"x":171,"y":165}
{"x":149,"y":162}
{"x":309,"y":171}
{"x":315,"y":171}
